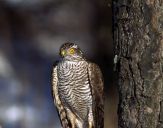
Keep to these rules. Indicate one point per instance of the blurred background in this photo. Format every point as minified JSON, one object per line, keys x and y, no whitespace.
{"x":31,"y":33}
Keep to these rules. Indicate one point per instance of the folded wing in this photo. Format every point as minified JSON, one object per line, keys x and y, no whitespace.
{"x":96,"y":82}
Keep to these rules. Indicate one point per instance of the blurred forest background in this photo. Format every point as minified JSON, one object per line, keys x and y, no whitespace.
{"x":31,"y":33}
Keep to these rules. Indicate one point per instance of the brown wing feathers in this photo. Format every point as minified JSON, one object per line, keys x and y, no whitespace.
{"x":96,"y":82}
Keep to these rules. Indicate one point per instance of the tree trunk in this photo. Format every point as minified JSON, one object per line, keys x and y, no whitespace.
{"x":138,"y":41}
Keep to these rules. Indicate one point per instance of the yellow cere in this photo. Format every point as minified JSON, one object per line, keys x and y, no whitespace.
{"x":63,"y":52}
{"x":71,"y":50}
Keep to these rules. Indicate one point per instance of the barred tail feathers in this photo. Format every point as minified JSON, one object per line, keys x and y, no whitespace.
{"x":63,"y":116}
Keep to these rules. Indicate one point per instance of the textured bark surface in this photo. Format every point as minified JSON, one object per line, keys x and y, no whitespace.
{"x":138,"y":41}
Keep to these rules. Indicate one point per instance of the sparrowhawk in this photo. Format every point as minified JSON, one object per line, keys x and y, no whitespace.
{"x":77,"y":88}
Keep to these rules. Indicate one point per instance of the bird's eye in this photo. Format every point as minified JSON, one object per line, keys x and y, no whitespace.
{"x":71,"y":50}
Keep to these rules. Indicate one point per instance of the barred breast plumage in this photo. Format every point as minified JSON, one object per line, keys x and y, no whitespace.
{"x":74,"y":88}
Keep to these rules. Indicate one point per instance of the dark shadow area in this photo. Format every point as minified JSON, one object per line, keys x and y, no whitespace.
{"x":31,"y":33}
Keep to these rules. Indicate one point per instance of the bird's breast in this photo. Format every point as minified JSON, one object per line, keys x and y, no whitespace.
{"x":73,"y":86}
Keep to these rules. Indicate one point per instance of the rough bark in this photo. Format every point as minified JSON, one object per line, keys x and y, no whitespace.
{"x":138,"y":41}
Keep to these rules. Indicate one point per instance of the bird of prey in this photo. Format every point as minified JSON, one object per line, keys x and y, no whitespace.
{"x":77,"y":88}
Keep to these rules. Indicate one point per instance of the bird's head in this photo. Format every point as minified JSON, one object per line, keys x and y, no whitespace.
{"x":71,"y":51}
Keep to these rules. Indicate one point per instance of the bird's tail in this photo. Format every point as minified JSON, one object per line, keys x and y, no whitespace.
{"x":63,"y":116}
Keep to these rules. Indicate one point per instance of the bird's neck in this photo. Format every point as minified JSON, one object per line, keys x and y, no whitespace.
{"x":75,"y":59}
